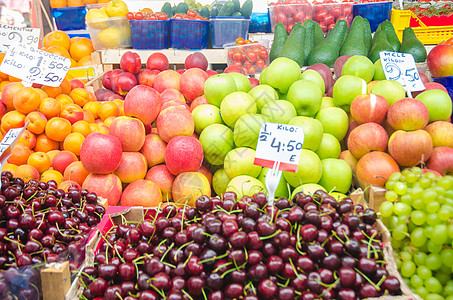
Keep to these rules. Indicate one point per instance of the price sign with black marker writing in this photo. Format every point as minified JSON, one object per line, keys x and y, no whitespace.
{"x":279,"y":142}
{"x":35,"y":66}
{"x":13,"y":35}
{"x":401,"y":67}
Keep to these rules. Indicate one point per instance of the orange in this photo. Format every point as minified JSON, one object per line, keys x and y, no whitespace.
{"x":64,"y":99}
{"x":8,"y":93}
{"x":75,"y":172}
{"x":108,"y":109}
{"x":58,"y":3}
{"x":90,"y":1}
{"x":82,"y":127}
{"x":3,"y":84}
{"x":75,"y":3}
{"x":73,"y":143}
{"x":52,"y":175}
{"x":19,"y":155}
{"x":80,"y":48}
{"x":50,"y":107}
{"x":85,"y":61}
{"x":9,"y":167}
{"x":12,"y":119}
{"x":37,"y":123}
{"x":73,"y":63}
{"x":26,"y":100}
{"x":102,"y":129}
{"x":45,"y":144}
{"x":58,"y":129}
{"x":26,"y":172}
{"x":42,"y":94}
{"x":52,"y":92}
{"x":28,"y":139}
{"x":93,"y":107}
{"x":57,"y":38}
{"x":15,"y":79}
{"x":109,"y":121}
{"x":65,"y":86}
{"x":81,"y":96}
{"x":59,"y":50}
{"x":40,"y":161}
{"x":88,"y":116}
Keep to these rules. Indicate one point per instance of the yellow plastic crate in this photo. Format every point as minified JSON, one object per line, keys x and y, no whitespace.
{"x":428,"y":35}
{"x":86,"y":73}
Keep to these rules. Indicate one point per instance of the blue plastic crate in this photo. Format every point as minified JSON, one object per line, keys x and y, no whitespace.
{"x":225,"y":30}
{"x":189,"y":34}
{"x":150,"y":34}
{"x":375,"y":12}
{"x":447,"y":82}
{"x":70,"y":18}
{"x":259,"y":22}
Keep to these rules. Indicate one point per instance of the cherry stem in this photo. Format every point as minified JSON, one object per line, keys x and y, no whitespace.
{"x":204,"y":294}
{"x":168,"y":250}
{"x":270,"y":236}
{"x":381,"y":280}
{"x":213,"y":258}
{"x":187,"y":294}
{"x":221,"y":266}
{"x":368,"y":279}
{"x":231,"y":270}
{"x":118,"y":295}
{"x":369,"y":246}
{"x":187,"y":260}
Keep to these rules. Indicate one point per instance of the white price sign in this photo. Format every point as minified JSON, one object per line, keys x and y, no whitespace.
{"x":279,"y":143}
{"x":13,"y":35}
{"x":401,"y":67}
{"x":35,"y":66}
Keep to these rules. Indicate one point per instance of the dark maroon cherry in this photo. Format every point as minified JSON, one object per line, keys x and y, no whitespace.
{"x":267,"y":288}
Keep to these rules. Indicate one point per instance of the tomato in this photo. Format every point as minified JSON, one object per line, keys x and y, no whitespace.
{"x":130,"y":16}
{"x":329,"y":19}
{"x":138,"y":16}
{"x":336,"y":11}
{"x":162,"y":16}
{"x":263,"y":54}
{"x":260,"y":63}
{"x":251,"y":56}
{"x":230,"y":54}
{"x":323,"y":27}
{"x":281,"y":18}
{"x":347,"y":10}
{"x":251,"y":70}
{"x":331,"y":26}
{"x":238,"y":40}
{"x":237,"y":63}
{"x":237,"y":56}
{"x":248,"y":64}
{"x":321,"y":15}
{"x":191,"y":13}
{"x":299,"y":16}
{"x":152,"y":17}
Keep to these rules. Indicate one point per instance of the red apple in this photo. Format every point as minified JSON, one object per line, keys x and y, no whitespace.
{"x":410,"y":148}
{"x":183,"y":154}
{"x":101,"y":153}
{"x":130,"y":62}
{"x":192,"y":83}
{"x":157,"y":61}
{"x":114,"y":96}
{"x":106,"y":186}
{"x":369,"y":108}
{"x":424,"y":171}
{"x":349,"y":158}
{"x":338,"y":65}
{"x":441,"y":160}
{"x":108,"y":77}
{"x":123,"y":83}
{"x":103,"y":94}
{"x":147,"y":77}
{"x":408,"y":114}
{"x":181,"y":71}
{"x":423,"y":78}
{"x":167,"y":79}
{"x":62,"y":160}
{"x":143,"y":102}
{"x":440,"y":60}
{"x":325,"y":72}
{"x":172,"y":94}
{"x":196,"y":60}
{"x":129,"y":131}
{"x":254,"y":82}
{"x":234,"y":69}
{"x":431,"y":86}
{"x":211,"y":73}
{"x":367,"y":137}
{"x":441,"y":132}
{"x":375,"y":168}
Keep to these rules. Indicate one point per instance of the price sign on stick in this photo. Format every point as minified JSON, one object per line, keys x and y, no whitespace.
{"x":35,"y":66}
{"x":401,"y":67}
{"x":13,"y":35}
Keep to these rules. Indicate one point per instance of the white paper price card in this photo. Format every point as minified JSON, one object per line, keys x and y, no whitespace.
{"x":401,"y":67}
{"x":35,"y":66}
{"x":13,"y":35}
{"x":279,"y":142}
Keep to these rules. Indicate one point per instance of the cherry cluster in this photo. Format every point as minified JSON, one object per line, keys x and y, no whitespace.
{"x":312,"y":247}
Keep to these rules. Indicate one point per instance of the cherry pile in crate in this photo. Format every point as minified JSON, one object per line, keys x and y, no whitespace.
{"x":312,"y":247}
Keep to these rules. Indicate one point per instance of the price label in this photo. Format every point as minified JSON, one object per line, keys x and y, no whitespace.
{"x":279,"y":142}
{"x":401,"y":67}
{"x":13,"y":35}
{"x":35,"y":66}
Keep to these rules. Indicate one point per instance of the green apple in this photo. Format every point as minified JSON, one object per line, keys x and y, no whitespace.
{"x":334,"y":120}
{"x":327,"y":102}
{"x":282,"y":96}
{"x":239,"y":161}
{"x":242,"y":82}
{"x":360,"y":66}
{"x":438,"y":103}
{"x":391,"y":90}
{"x":245,"y":185}
{"x":235,"y":105}
{"x":217,"y":87}
{"x":205,"y":115}
{"x":282,"y":73}
{"x":279,"y":111}
{"x":329,"y":148}
{"x":336,"y":175}
{"x":263,"y":76}
{"x":217,"y":141}
{"x":314,"y":76}
{"x":263,"y":94}
{"x":220,"y":181}
{"x":282,"y":188}
{"x":307,"y":189}
{"x":247,"y":130}
{"x":306,"y":97}
{"x":309,"y":169}
{"x":312,"y":131}
{"x":378,"y":71}
{"x":346,"y":88}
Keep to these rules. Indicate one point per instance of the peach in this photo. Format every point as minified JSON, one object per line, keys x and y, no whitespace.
{"x":167,"y":79}
{"x":66,"y":184}
{"x":141,"y":193}
{"x":104,"y":185}
{"x":101,"y":153}
{"x":143,"y":102}
{"x":8,"y":93}
{"x":147,"y":77}
{"x":172,"y":94}
{"x":28,"y":139}
{"x":192,"y":83}
{"x":183,"y":154}
{"x":75,"y":172}
{"x":72,"y":112}
{"x":130,"y":132}
{"x":76,"y":83}
{"x":62,"y":160}
{"x":154,"y":149}
{"x":81,"y":96}
{"x":26,"y":172}
{"x":132,"y":167}
{"x":189,"y":186}
{"x":163,"y":178}
{"x":175,"y":121}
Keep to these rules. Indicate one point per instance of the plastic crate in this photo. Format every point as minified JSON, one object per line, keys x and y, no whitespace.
{"x":189,"y":34}
{"x":376,"y":12}
{"x":289,"y":14}
{"x":69,"y":18}
{"x":428,"y":35}
{"x":226,"y":30}
{"x":78,"y":33}
{"x":259,"y":22}
{"x":150,"y":34}
{"x":253,"y":64}
{"x":110,"y":33}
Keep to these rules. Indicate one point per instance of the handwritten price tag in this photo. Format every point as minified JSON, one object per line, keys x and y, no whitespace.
{"x":401,"y":67}
{"x":13,"y":35}
{"x":279,"y":142}
{"x":35,"y":66}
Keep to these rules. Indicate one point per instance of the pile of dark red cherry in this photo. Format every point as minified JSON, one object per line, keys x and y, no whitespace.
{"x":41,"y":224}
{"x":312,"y":247}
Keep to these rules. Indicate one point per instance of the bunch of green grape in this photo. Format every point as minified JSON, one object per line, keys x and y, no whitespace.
{"x":418,"y":211}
